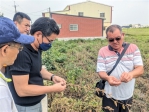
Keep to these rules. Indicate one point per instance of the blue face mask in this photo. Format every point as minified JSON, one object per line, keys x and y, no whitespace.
{"x":45,"y":46}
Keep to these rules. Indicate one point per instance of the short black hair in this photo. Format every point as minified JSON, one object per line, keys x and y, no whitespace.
{"x":19,"y":16}
{"x":46,"y":25}
{"x":112,"y":28}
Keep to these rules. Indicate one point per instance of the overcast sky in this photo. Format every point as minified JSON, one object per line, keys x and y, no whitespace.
{"x":125,"y":12}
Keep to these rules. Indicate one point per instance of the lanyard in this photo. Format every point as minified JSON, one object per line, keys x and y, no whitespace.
{"x":5,"y":79}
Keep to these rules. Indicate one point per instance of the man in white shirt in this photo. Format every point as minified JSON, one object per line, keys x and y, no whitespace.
{"x":120,"y":83}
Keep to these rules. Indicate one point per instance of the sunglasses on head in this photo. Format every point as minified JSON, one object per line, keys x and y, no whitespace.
{"x":112,"y":39}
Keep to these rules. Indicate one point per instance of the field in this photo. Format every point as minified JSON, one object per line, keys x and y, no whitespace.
{"x":75,"y":60}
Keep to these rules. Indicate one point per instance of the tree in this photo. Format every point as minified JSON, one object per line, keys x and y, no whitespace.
{"x":130,"y":25}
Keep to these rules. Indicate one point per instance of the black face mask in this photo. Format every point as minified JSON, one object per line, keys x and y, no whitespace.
{"x":45,"y":46}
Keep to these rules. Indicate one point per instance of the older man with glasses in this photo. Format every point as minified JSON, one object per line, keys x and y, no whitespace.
{"x":119,"y":85}
{"x":10,"y":44}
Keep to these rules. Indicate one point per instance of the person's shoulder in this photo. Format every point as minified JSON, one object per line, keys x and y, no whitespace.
{"x":133,"y":46}
{"x":103,"y":51}
{"x":104,"y":48}
{"x":26,"y":48}
{"x":24,"y":52}
{"x":22,"y":57}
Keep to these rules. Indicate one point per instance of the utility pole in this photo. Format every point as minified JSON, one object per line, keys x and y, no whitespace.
{"x":49,"y":13}
{"x":15,"y":7}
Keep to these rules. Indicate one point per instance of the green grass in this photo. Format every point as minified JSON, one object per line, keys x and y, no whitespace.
{"x":136,"y":31}
{"x":75,"y":60}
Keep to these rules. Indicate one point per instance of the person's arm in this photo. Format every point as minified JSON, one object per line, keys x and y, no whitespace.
{"x":128,"y":76}
{"x":138,"y":71}
{"x":20,"y":74}
{"x":138,"y":66}
{"x":111,"y":80}
{"x":101,"y":69}
{"x":47,"y":76}
{"x":24,"y":89}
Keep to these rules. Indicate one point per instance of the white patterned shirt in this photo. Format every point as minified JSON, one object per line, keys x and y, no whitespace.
{"x":6,"y":101}
{"x":105,"y":62}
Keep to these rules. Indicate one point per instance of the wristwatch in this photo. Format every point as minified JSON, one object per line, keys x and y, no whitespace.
{"x":52,"y":77}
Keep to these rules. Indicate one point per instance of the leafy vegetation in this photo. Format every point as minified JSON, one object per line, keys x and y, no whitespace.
{"x":75,"y":60}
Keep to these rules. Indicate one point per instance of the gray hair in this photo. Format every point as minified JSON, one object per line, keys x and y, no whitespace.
{"x":112,"y":28}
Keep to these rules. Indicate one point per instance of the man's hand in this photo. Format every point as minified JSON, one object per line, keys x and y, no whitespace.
{"x":59,"y":87}
{"x":57,"y":79}
{"x":113,"y":81}
{"x":126,"y":77}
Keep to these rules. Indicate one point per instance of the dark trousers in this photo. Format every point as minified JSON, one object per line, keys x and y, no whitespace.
{"x":109,"y":105}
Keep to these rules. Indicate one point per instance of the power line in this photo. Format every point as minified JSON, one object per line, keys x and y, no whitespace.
{"x":34,"y":15}
{"x":37,"y":11}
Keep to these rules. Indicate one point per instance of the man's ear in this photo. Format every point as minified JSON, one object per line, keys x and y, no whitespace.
{"x":15,"y":22}
{"x":123,"y":34}
{"x":38,"y":34}
{"x":4,"y":50}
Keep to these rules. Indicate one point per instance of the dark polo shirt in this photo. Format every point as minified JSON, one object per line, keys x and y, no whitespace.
{"x":28,"y":62}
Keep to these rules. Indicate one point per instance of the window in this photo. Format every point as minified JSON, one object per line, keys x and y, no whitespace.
{"x":102,"y":14}
{"x":73,"y":27}
{"x":59,"y":25}
{"x":80,"y":13}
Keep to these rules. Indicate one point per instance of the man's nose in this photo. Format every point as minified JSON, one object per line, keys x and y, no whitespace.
{"x":115,"y":41}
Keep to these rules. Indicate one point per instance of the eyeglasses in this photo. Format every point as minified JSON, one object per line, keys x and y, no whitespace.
{"x":16,"y":45}
{"x":112,"y":39}
{"x":2,"y":45}
{"x":20,"y":47}
{"x":47,"y":38}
